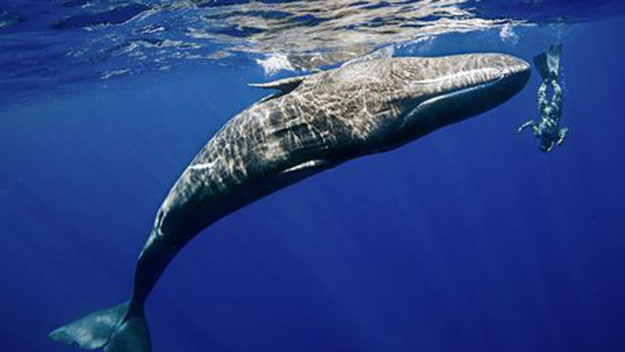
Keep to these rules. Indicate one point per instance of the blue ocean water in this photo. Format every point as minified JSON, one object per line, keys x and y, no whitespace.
{"x":468,"y":239}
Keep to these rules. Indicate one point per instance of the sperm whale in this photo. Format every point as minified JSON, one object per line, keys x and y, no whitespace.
{"x":310,"y":124}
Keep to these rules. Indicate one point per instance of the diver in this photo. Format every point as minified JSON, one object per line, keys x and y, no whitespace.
{"x":548,"y":129}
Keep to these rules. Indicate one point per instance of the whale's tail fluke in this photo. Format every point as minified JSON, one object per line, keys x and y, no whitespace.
{"x":117,"y":329}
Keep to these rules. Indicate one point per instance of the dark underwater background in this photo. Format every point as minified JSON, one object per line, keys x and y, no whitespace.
{"x":468,"y":239}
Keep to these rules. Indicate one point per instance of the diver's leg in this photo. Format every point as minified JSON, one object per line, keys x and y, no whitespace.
{"x":557,"y":90}
{"x":542,"y":97}
{"x":556,"y":100}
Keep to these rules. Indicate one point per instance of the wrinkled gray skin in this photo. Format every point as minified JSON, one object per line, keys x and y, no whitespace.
{"x":313,"y":123}
{"x":328,"y":118}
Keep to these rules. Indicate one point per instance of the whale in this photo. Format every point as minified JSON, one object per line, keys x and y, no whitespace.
{"x":308,"y":124}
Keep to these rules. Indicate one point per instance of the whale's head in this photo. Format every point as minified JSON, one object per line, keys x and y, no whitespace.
{"x":388,"y":102}
{"x":417,"y":95}
{"x":430,"y":93}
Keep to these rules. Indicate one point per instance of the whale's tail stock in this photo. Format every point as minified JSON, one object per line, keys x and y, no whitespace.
{"x":120,"y":328}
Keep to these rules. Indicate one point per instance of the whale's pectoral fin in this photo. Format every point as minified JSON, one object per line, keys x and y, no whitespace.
{"x":114,"y":329}
{"x":285,"y":86}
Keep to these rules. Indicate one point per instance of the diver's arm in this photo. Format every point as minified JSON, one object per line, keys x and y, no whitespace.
{"x":562,"y":135}
{"x":556,"y":100}
{"x":528,"y":124}
{"x":547,"y":146}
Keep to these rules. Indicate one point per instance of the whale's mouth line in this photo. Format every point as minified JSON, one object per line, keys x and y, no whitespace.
{"x":505,"y":74}
{"x":422,"y":105}
{"x":465,"y":90}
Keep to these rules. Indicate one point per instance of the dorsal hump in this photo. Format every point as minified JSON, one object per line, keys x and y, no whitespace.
{"x":284,"y":85}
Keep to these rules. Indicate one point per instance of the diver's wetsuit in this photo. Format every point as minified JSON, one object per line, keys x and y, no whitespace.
{"x":548,"y":129}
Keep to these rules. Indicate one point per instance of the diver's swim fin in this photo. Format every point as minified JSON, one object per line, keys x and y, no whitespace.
{"x":548,"y":63}
{"x":115,"y":329}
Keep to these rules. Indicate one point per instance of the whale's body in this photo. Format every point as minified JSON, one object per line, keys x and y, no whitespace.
{"x":313,"y":123}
